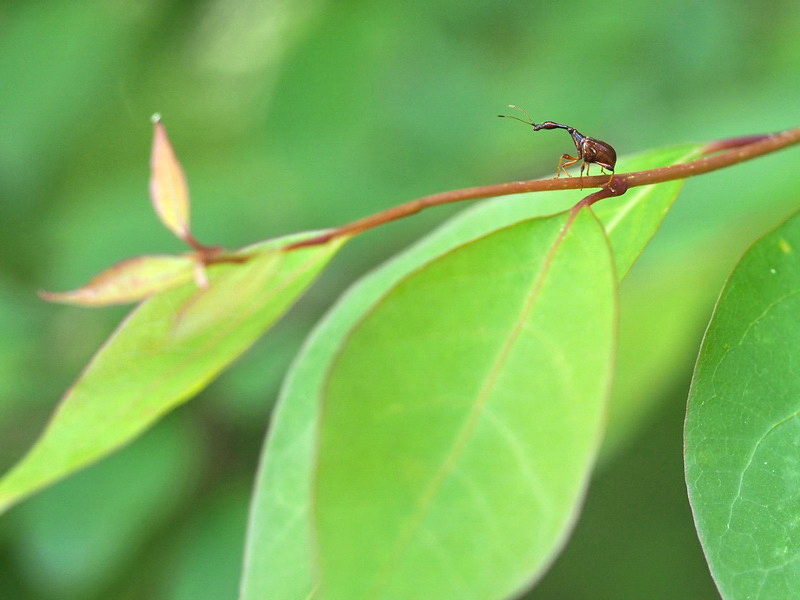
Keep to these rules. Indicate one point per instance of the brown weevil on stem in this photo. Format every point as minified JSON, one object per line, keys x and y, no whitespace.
{"x":589,"y":149}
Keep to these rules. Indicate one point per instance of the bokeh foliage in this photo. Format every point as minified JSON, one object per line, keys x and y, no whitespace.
{"x":289,"y":116}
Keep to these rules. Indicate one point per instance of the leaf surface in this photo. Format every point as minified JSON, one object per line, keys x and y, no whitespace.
{"x":461,"y":417}
{"x":166,"y":350}
{"x":279,"y":556}
{"x":743,"y":425}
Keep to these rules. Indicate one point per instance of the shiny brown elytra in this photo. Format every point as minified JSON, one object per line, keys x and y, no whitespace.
{"x":589,"y":149}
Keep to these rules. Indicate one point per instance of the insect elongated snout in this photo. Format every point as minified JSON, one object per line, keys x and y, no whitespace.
{"x":546,"y":125}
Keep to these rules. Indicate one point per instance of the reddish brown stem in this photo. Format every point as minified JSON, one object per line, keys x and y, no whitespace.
{"x":727,"y":144}
{"x":734,"y":150}
{"x":210,"y":255}
{"x":199,"y":247}
{"x":224,"y":257}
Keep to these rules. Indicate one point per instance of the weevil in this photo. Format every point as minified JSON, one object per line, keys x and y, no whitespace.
{"x":590,"y":150}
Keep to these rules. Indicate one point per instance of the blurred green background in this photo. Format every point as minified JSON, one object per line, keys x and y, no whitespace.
{"x":292,"y":115}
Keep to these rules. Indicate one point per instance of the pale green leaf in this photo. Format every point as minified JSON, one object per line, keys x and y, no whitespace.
{"x":129,"y":281}
{"x":743,"y":426}
{"x":166,"y":350}
{"x":279,"y":556}
{"x":461,"y":417}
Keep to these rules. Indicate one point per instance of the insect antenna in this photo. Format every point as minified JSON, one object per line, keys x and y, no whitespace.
{"x":528,"y":122}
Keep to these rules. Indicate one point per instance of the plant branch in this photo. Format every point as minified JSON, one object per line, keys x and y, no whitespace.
{"x":725,"y":154}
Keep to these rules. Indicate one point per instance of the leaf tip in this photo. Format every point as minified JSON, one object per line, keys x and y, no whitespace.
{"x":48,"y":296}
{"x":74,"y":297}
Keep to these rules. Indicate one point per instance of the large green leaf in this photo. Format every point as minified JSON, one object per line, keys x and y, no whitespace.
{"x":743,"y":428}
{"x":462,"y":416}
{"x":167,"y":349}
{"x":279,"y":558}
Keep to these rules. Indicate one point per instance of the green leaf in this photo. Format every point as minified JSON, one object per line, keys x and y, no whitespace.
{"x":457,"y":465}
{"x":743,"y":429}
{"x":279,"y":557}
{"x":166,"y":351}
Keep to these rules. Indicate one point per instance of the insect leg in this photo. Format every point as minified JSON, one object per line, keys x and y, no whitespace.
{"x":584,"y":165}
{"x":565,"y":161}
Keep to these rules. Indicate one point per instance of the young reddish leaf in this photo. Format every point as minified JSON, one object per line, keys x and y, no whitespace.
{"x":168,"y":189}
{"x":129,"y":281}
